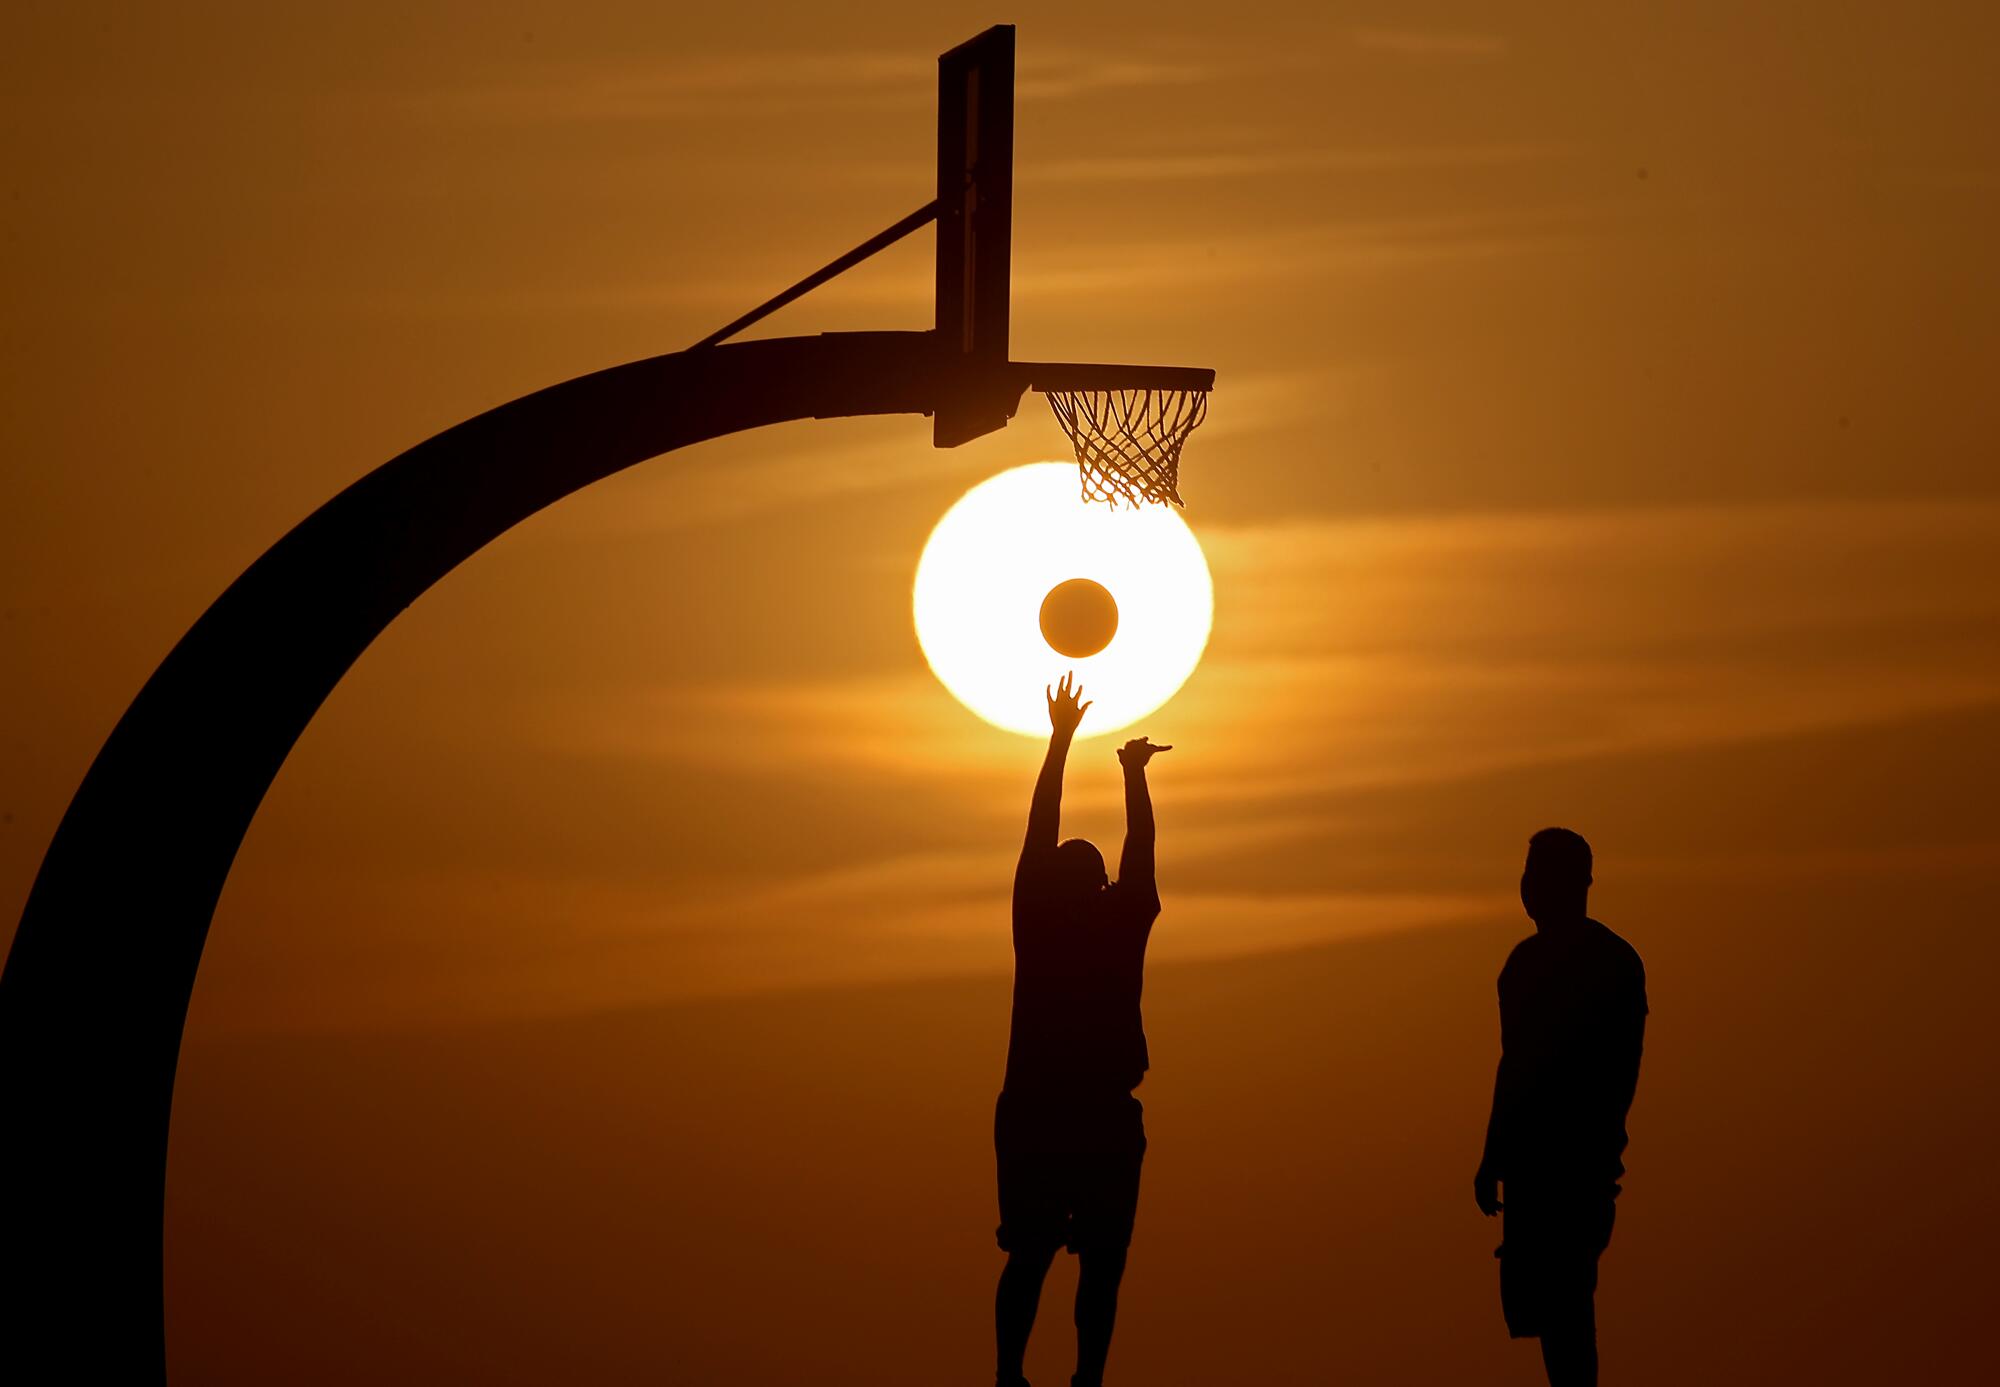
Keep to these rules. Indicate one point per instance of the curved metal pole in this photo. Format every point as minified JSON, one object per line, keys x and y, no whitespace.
{"x":96,"y":987}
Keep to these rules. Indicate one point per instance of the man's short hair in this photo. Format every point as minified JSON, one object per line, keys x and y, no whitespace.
{"x":1561,"y":853}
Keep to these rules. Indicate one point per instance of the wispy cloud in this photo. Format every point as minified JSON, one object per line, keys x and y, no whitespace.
{"x":665,"y":89}
{"x":1301,"y":254}
{"x":1059,"y":74}
{"x":1203,"y":166}
{"x":1432,"y":44}
{"x":1388,"y":652}
{"x":767,"y":83}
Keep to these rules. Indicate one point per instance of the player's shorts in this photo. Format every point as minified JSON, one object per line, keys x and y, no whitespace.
{"x":1069,"y":1172}
{"x":1548,"y":1260}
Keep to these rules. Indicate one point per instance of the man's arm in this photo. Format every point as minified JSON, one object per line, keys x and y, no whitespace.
{"x":1486,"y":1183}
{"x":1629,"y":1040}
{"x":1066,"y":710}
{"x":1135,"y":864}
{"x":1492,"y":1169}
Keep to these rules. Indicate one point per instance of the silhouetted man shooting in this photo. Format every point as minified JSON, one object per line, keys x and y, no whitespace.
{"x":1572,"y":1021}
{"x":1068,"y":1133}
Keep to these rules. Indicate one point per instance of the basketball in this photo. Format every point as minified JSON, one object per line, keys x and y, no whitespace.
{"x":1079,"y":618}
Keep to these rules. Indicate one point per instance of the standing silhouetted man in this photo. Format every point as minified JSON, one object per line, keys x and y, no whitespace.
{"x":1068,"y":1133}
{"x":1572,"y":1020}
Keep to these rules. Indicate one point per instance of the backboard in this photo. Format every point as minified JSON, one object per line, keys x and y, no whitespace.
{"x":975,"y":230}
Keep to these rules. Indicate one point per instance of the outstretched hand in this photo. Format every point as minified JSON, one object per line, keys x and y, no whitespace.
{"x":1136,"y":753}
{"x":1065,"y":710}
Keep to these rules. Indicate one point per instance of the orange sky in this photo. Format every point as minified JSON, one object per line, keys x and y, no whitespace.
{"x":1605,"y":435}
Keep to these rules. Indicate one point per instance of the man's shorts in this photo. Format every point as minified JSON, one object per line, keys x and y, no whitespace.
{"x":1069,"y":1172}
{"x":1548,"y":1259}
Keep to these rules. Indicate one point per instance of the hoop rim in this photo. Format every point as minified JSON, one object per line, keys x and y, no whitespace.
{"x":1048,"y":377}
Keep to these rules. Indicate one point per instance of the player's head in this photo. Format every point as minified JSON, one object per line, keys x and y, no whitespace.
{"x":1079,"y":869}
{"x":1555,"y":885}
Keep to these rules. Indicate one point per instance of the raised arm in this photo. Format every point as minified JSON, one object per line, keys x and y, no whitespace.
{"x":1135,"y":864}
{"x":1066,"y":710}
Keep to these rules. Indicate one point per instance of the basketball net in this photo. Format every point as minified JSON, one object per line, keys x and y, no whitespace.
{"x":1128,"y":442}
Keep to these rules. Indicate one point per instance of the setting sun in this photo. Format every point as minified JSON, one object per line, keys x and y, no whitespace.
{"x":1015,"y":546}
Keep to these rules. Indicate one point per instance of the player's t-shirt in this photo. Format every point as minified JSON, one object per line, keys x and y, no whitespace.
{"x":1079,"y":967}
{"x":1572,"y":1024}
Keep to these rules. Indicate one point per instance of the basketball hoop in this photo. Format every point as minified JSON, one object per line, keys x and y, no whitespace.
{"x":1127,"y":424}
{"x":1128,"y":442}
